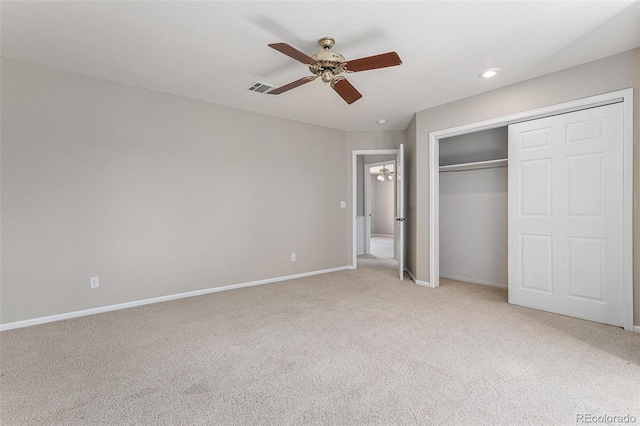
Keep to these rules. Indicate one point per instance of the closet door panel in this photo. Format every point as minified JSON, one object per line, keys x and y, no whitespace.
{"x":586,"y":185}
{"x":565,"y":214}
{"x":586,"y":262}
{"x":536,"y":254}
{"x":535,"y":187}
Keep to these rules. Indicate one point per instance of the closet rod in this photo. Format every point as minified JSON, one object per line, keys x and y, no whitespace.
{"x":491,"y":164}
{"x":474,"y":168}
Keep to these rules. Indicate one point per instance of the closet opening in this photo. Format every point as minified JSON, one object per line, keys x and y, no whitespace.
{"x":473,"y":207}
{"x":530,"y":190}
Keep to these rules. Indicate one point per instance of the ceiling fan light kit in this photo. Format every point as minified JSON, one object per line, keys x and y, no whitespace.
{"x":328,"y":65}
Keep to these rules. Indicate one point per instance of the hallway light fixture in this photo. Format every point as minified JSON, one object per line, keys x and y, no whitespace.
{"x":385,"y":173}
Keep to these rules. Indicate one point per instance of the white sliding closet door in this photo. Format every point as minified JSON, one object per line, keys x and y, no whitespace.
{"x":565,"y":202}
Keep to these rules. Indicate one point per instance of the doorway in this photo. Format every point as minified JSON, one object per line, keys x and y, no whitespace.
{"x":361,"y":222}
{"x":379,"y":206}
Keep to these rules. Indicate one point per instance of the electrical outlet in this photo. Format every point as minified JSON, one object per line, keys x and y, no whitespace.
{"x":293,"y":257}
{"x":94,"y":282}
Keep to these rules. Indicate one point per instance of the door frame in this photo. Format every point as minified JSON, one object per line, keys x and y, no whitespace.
{"x":367,"y":202}
{"x":626,"y":97}
{"x":354,"y":195}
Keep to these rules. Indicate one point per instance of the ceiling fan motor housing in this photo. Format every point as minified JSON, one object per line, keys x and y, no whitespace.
{"x":329,"y":64}
{"x":326,"y":42}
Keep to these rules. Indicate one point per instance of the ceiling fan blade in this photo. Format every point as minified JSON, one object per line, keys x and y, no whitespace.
{"x":291,"y":85}
{"x":346,"y":90}
{"x":294,"y":53}
{"x":384,"y":60}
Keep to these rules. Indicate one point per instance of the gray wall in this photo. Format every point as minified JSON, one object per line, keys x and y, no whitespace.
{"x":156,"y":194}
{"x":360,"y":185}
{"x":605,"y":75}
{"x":389,"y":139}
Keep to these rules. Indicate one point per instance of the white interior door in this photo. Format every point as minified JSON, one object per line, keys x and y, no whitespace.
{"x":366,"y":179}
{"x":565,"y":202}
{"x":400,"y":211}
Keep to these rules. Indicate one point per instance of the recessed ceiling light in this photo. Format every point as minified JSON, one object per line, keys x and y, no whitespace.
{"x":381,"y":122}
{"x":491,"y":72}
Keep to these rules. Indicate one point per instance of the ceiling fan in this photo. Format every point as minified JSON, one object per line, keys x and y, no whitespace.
{"x":328,"y":65}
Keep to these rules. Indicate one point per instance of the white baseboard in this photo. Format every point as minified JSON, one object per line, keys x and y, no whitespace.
{"x":636,"y":328}
{"x":382,"y":235}
{"x":474,"y":281}
{"x":92,"y":311}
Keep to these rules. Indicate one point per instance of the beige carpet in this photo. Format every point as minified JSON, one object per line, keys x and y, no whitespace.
{"x":353,"y":347}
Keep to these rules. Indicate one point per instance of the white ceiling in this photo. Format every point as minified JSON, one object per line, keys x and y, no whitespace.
{"x":215,"y":50}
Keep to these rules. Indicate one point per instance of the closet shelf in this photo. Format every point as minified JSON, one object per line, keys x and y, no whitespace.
{"x":502,"y":162}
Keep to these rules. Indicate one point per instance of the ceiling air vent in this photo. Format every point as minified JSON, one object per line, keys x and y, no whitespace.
{"x":261,"y":87}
